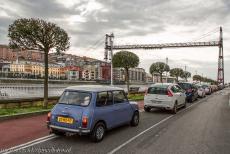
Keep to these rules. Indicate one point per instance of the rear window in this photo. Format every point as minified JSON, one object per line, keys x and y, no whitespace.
{"x":204,"y":86}
{"x":75,"y":98}
{"x":158,"y":90}
{"x":185,"y":86}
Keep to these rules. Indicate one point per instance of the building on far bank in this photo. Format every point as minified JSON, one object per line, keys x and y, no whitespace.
{"x":136,"y":75}
{"x":72,"y":72}
{"x":32,"y":69}
{"x":8,"y":54}
{"x":156,"y":78}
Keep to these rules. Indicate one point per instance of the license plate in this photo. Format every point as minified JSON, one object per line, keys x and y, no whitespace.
{"x":156,"y":102}
{"x":65,"y":120}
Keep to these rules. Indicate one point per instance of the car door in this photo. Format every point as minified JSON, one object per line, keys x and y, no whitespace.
{"x":176,"y":94}
{"x":181,"y":93}
{"x":104,"y":109}
{"x":122,"y":107}
{"x":195,"y":91}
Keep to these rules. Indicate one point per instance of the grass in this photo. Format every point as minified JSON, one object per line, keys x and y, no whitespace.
{"x":13,"y":111}
{"x":17,"y":110}
{"x":136,"y":97}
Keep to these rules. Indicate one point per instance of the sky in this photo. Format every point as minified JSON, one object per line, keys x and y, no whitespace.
{"x":134,"y":22}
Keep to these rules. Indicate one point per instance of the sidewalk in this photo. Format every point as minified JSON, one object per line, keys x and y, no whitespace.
{"x":18,"y":131}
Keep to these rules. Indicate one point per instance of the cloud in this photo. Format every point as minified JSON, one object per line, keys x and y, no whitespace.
{"x":133,"y":21}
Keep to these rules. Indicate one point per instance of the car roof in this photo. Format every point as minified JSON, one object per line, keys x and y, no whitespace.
{"x":185,"y":83}
{"x":162,"y":84}
{"x":93,"y":88}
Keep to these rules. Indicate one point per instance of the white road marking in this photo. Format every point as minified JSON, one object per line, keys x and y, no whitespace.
{"x":28,"y":144}
{"x":153,"y":126}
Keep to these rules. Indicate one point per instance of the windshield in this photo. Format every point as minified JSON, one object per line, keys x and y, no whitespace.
{"x":75,"y":98}
{"x":158,"y":90}
{"x":185,"y":86}
{"x":204,"y":86}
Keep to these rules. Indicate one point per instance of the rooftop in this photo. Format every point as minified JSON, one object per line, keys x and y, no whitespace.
{"x":93,"y":88}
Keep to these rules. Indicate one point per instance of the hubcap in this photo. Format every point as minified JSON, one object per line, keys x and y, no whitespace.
{"x":100,"y":132}
{"x":136,"y":119}
{"x":175,"y":108}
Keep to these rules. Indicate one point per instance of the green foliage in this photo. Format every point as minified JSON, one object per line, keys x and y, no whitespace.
{"x":125,"y":59}
{"x":177,"y":72}
{"x":186,"y":75}
{"x":197,"y":78}
{"x":17,"y":110}
{"x":136,"y":97}
{"x":37,"y":34}
{"x":204,"y":79}
{"x":159,"y":67}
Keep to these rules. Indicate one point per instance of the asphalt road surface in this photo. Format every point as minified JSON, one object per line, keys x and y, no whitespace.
{"x":203,"y":127}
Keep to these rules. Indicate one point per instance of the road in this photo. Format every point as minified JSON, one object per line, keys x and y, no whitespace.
{"x":204,"y":127}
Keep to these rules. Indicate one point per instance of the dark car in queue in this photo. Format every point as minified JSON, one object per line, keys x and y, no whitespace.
{"x":191,"y":91}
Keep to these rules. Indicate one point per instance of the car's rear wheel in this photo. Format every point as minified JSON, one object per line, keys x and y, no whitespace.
{"x":147,"y":109}
{"x":174,"y":110}
{"x":98,"y":132}
{"x":57,"y":132}
{"x":185,"y":104}
{"x":135,"y":119}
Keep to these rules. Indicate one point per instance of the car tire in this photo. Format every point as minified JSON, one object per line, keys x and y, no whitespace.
{"x":135,"y":119}
{"x":175,"y":107}
{"x":185,"y":104}
{"x":147,"y":109}
{"x":98,"y":132}
{"x":59,"y":133}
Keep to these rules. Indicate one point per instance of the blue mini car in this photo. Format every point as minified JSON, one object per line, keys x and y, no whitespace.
{"x":92,"y":110}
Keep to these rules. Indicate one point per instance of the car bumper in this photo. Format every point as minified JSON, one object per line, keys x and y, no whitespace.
{"x":160,"y":106}
{"x":70,"y":130}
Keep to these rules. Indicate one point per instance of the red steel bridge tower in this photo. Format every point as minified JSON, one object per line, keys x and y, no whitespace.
{"x":220,"y":75}
{"x":109,"y":47}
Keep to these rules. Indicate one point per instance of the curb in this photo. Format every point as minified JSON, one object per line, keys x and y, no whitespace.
{"x":22,"y":115}
{"x":229,"y":99}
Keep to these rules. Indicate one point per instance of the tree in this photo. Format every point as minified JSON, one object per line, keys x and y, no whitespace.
{"x":177,"y":72}
{"x":37,"y":34}
{"x":159,"y":67}
{"x":186,"y":75}
{"x":197,"y":78}
{"x":126,"y":60}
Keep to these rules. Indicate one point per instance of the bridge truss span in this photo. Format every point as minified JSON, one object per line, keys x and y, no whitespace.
{"x":109,"y":47}
{"x":166,"y":45}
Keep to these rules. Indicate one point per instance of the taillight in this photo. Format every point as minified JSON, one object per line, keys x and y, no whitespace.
{"x":169,"y":93}
{"x":189,"y":90}
{"x":146,"y":91}
{"x":48,"y":116}
{"x":84,"y":122}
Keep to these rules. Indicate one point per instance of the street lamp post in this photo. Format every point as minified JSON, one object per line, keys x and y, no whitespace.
{"x":111,"y":56}
{"x":166,"y":71}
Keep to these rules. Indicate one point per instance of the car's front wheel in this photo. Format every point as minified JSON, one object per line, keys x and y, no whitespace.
{"x":135,"y":119}
{"x":185,"y":104}
{"x":174,"y":110}
{"x":98,"y":132}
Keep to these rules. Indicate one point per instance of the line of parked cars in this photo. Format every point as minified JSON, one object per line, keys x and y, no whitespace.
{"x":172,"y":96}
{"x":92,"y":110}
